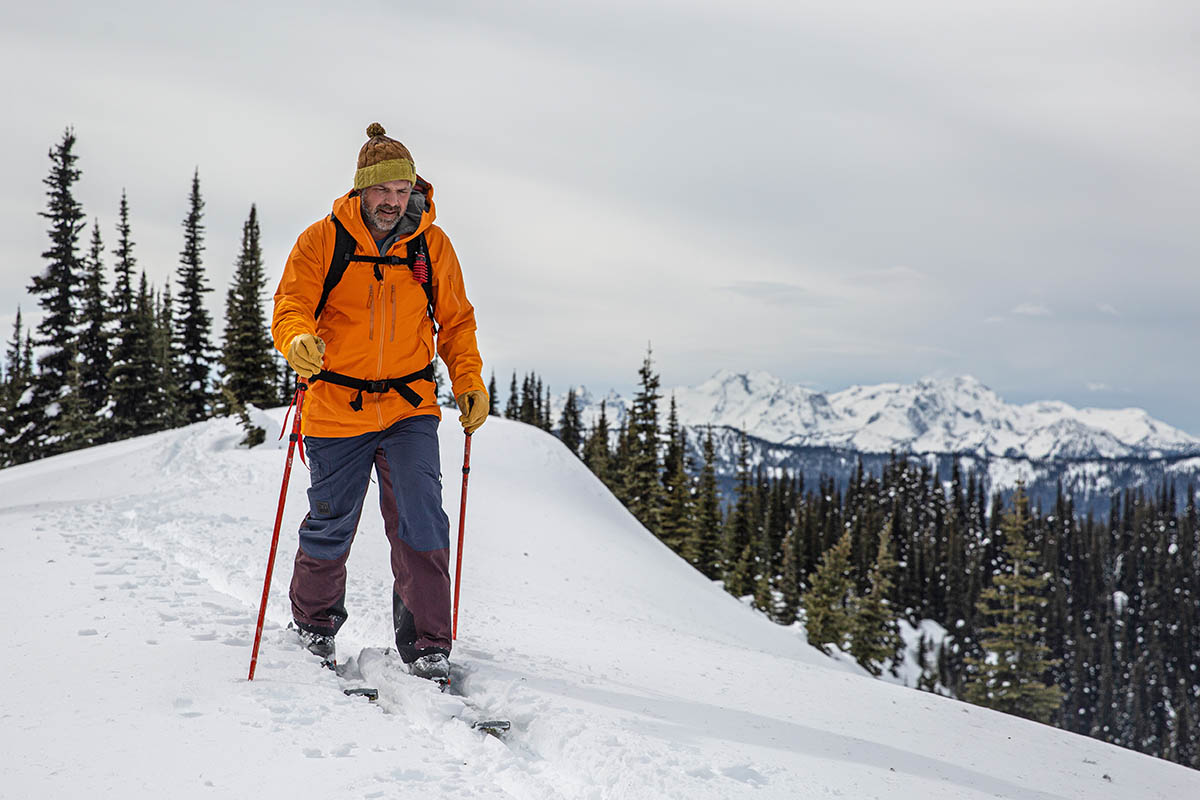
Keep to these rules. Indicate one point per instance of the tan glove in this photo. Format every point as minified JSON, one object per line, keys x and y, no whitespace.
{"x":474,"y":407}
{"x":305,"y":354}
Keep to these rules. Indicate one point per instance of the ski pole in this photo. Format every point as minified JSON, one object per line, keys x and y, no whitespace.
{"x":287,"y":471}
{"x":462,"y":520}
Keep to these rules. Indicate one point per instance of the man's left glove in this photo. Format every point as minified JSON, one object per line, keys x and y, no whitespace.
{"x":474,"y":407}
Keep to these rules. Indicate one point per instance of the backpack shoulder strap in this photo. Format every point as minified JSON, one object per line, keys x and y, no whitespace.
{"x":343,"y":250}
{"x":421,"y":264}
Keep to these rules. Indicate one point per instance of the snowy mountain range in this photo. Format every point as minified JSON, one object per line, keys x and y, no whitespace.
{"x":133,"y":572}
{"x":933,"y":416}
{"x":1090,"y":452}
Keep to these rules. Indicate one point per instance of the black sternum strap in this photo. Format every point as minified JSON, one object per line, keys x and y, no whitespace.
{"x":401,"y":385}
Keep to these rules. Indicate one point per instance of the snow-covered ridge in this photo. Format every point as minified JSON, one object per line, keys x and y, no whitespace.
{"x":137,"y":568}
{"x":934,"y":415}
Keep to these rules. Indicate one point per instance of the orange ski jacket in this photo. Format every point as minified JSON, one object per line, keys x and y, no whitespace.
{"x":375,"y":329}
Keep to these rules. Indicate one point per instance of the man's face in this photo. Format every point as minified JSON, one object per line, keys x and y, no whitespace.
{"x":384,"y":203}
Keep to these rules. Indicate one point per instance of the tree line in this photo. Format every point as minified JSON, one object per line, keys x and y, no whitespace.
{"x":1092,"y":625}
{"x":107,"y":362}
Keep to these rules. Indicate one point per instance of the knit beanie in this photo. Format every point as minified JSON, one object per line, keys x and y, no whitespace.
{"x":383,"y":159}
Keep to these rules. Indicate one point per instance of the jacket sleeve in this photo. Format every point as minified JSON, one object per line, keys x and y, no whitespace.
{"x":299,"y":289}
{"x":455,"y":316}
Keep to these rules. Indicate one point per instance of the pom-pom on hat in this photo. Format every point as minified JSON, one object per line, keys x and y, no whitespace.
{"x":383,"y":159}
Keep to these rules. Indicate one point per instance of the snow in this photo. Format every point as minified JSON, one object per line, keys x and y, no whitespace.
{"x":934,"y":415}
{"x":132,"y":574}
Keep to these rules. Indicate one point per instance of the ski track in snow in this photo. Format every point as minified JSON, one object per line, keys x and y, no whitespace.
{"x":133,"y":572}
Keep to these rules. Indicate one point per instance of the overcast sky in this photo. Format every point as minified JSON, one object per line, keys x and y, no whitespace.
{"x":838,"y":193}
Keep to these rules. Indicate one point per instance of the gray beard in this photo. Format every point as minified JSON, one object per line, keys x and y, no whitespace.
{"x":376,"y":224}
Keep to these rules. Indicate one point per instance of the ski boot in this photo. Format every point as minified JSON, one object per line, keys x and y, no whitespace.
{"x":319,"y":644}
{"x":432,"y":667}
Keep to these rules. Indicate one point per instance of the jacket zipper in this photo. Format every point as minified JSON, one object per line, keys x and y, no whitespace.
{"x":379,"y":363}
{"x":392,"y":336}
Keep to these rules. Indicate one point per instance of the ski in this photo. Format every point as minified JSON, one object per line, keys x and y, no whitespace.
{"x":380,"y":674}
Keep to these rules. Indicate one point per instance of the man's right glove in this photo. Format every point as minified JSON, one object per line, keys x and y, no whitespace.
{"x":473,"y":404}
{"x":305,"y":354}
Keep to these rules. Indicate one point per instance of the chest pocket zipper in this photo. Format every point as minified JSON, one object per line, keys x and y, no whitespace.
{"x":392,"y":337}
{"x":371,"y":307}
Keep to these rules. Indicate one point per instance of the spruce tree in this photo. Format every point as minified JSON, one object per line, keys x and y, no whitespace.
{"x":702,"y":548}
{"x":16,"y":410}
{"x":570,"y":426}
{"x":134,"y":377}
{"x":874,"y":634}
{"x":596,"y":451}
{"x":170,"y":410}
{"x":739,"y":526}
{"x":193,"y":326}
{"x":790,"y":579}
{"x":1009,"y":676}
{"x":493,"y":402}
{"x":248,"y":354}
{"x":57,"y":288}
{"x":640,"y":479}
{"x":93,"y":412}
{"x":677,"y":484}
{"x":827,"y":603}
{"x":512,"y":410}
{"x":530,"y":400}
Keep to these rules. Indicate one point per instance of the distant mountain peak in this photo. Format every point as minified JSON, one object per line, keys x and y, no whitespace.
{"x":943,"y":414}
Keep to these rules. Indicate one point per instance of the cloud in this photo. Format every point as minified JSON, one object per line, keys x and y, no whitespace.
{"x":1105,"y":308}
{"x":1032,"y":310}
{"x":776,"y":293}
{"x":1098,"y":387}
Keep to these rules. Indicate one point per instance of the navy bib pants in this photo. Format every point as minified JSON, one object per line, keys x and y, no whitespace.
{"x":407,"y":463}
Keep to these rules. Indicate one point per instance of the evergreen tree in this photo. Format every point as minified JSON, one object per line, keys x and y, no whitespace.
{"x":131,"y":377}
{"x":703,"y":544}
{"x":739,"y":578}
{"x":16,"y":410}
{"x":193,"y":326}
{"x":135,"y":377}
{"x":640,"y":480}
{"x":570,"y":427}
{"x":790,"y":578}
{"x":1009,"y":677}
{"x":827,"y":604}
{"x":739,"y":526}
{"x":875,"y":635}
{"x":247,"y":355}
{"x":170,"y":409}
{"x":530,"y":399}
{"x":285,"y":380}
{"x":513,"y":408}
{"x":677,"y":485}
{"x":57,"y":288}
{"x":93,"y":411}
{"x":493,"y":402}
{"x":596,"y":452}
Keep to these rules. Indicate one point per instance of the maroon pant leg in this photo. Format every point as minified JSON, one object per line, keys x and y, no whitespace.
{"x":422,"y":577}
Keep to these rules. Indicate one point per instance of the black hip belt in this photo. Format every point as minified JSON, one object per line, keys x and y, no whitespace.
{"x":401,"y":385}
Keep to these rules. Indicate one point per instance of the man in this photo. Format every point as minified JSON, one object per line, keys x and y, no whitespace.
{"x":366,"y":342}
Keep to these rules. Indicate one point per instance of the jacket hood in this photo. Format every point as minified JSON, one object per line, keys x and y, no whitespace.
{"x":419,"y":215}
